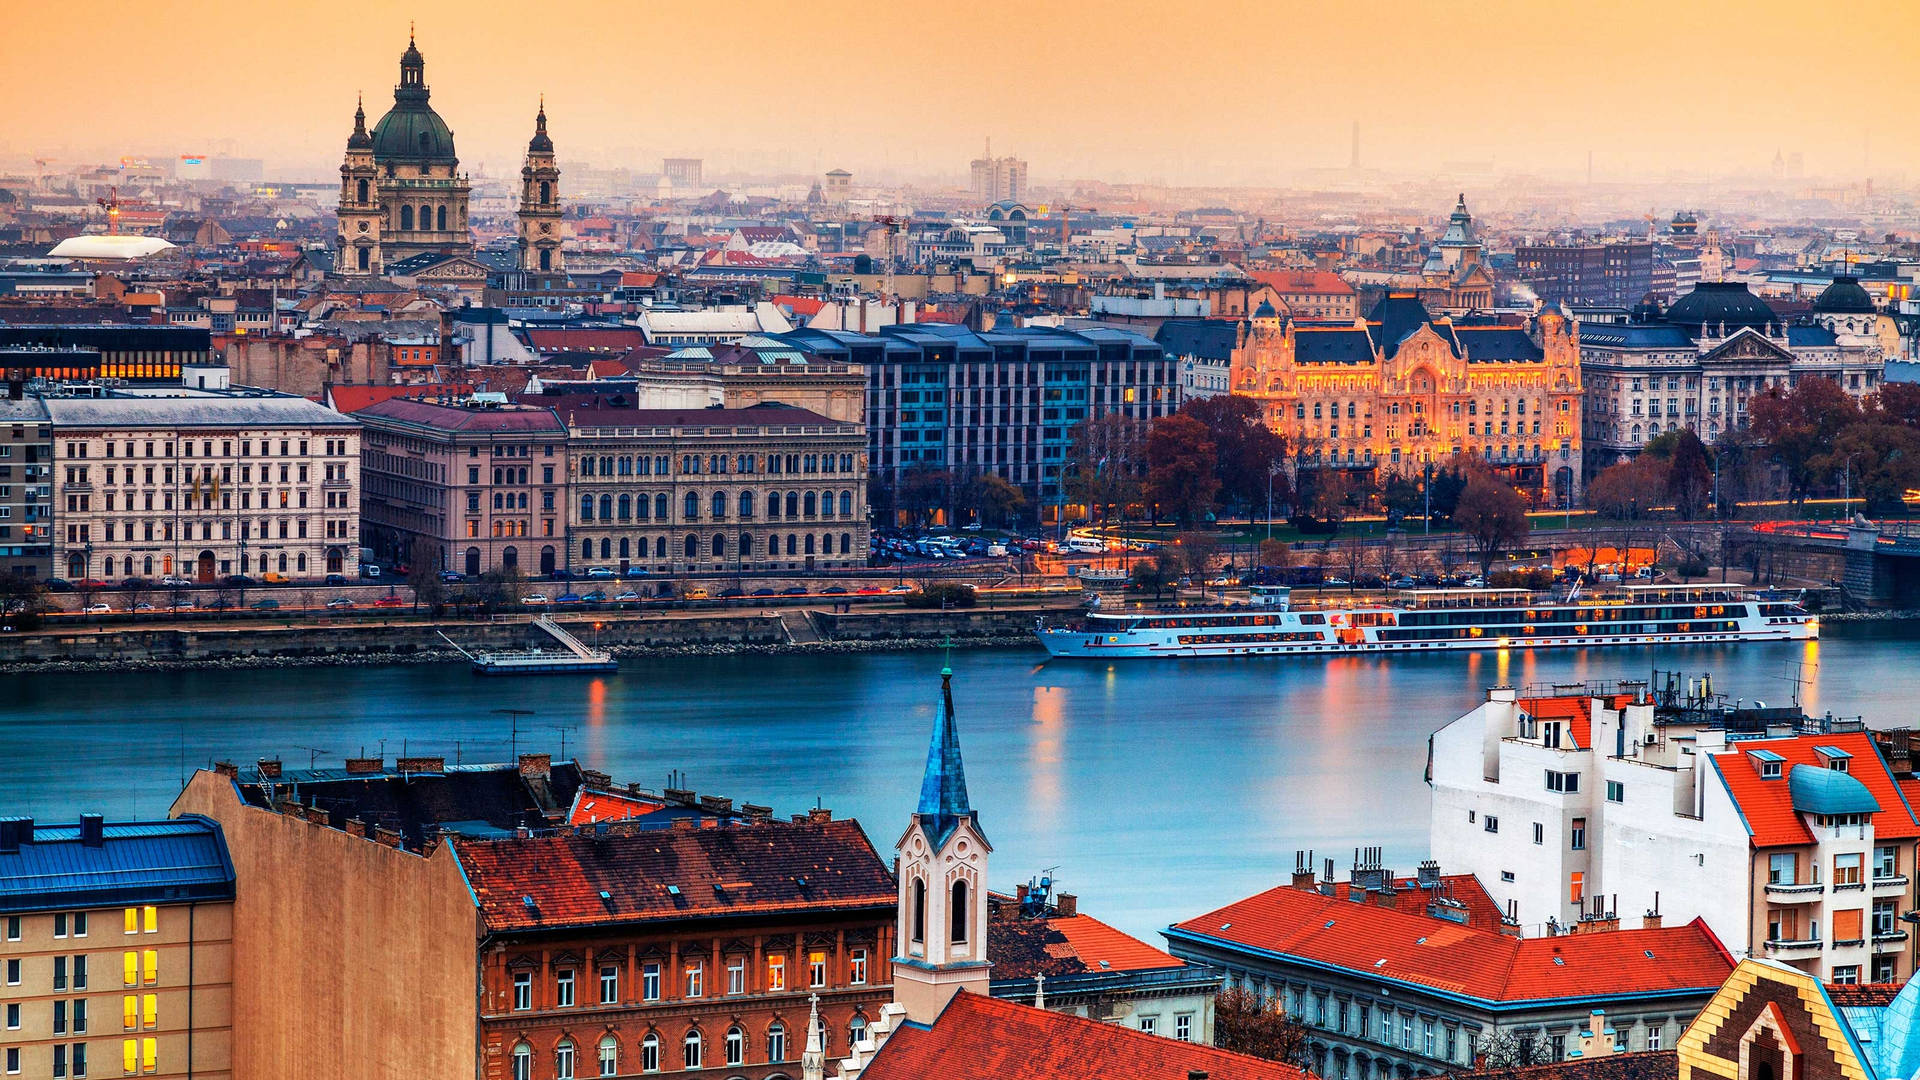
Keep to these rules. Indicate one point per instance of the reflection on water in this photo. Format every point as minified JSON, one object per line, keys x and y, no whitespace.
{"x":1159,"y":788}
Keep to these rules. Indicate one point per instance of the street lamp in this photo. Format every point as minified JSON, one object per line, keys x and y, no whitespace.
{"x":1846,"y":497}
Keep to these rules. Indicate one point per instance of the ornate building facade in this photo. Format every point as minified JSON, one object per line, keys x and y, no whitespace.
{"x":1401,"y":388}
{"x":1700,"y":362}
{"x":402,"y":193}
{"x":540,"y":203}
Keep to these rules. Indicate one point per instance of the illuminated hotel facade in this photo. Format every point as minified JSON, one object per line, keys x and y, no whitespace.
{"x":1389,"y":393}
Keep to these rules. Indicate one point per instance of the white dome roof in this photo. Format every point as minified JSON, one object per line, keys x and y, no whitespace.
{"x":109,"y":247}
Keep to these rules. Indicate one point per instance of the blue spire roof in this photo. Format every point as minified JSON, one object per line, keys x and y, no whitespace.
{"x":943,"y":791}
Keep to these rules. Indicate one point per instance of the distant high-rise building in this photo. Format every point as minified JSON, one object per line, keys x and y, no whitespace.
{"x":683,"y":171}
{"x":1616,"y":274}
{"x":1002,"y":179}
{"x":839,"y":187}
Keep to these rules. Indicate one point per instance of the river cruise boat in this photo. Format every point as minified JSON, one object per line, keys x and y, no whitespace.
{"x":1427,"y":620}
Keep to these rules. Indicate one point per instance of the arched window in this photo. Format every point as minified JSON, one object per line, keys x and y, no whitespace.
{"x":360,"y":190}
{"x":283,"y":563}
{"x":586,"y":508}
{"x":959,"y":913}
{"x":719,"y":545}
{"x":777,"y":1042}
{"x":366,"y":258}
{"x":718,"y":504}
{"x":690,"y":1049}
{"x":793,"y":504}
{"x":563,"y":1060}
{"x":856,"y":1030}
{"x":736,"y":1046}
{"x":606,"y":508}
{"x":586,"y":549}
{"x":773,"y":545}
{"x":692,"y":507}
{"x":146,"y":566}
{"x":746,"y":546}
{"x":846,"y":504}
{"x":809,"y":543}
{"x":746,"y":504}
{"x":406,"y":217}
{"x":650,"y":1053}
{"x":659,"y":547}
{"x":609,"y":1056}
{"x":692,"y":546}
{"x":773,"y":505}
{"x":522,"y":1062}
{"x":426,"y":217}
{"x":919,"y":911}
{"x":792,"y":543}
{"x":440,"y":219}
{"x":811,"y":503}
{"x":846,"y":543}
{"x":626,"y":546}
{"x":546,"y":258}
{"x":300,"y":563}
{"x":546,"y":192}
{"x":660,"y":507}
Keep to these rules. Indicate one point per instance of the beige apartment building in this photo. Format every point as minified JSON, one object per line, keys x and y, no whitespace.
{"x":116,"y":949}
{"x":201,"y":485}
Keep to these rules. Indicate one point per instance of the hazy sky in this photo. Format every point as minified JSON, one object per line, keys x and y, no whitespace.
{"x":1195,"y":92}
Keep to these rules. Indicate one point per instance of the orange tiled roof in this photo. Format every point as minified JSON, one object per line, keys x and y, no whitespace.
{"x":351,"y":399}
{"x":1107,"y":949}
{"x":1409,"y":947}
{"x":1767,"y":805}
{"x":1575,"y":711}
{"x":1067,"y":945}
{"x":803,"y":306}
{"x":981,"y":1038}
{"x":577,"y":878}
{"x":592,"y":806}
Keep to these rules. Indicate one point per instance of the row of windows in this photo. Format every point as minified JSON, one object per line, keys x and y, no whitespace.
{"x":334,"y":448}
{"x":715,"y":464}
{"x":624,"y":507}
{"x":693,"y":982}
{"x":74,"y":924}
{"x":693,"y":1051}
{"x":691,"y":547}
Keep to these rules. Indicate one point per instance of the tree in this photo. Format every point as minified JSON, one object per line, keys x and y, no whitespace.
{"x":135,"y":591}
{"x":1197,"y":551}
{"x":994,"y":499}
{"x":1899,"y":403}
{"x":1511,"y":1050}
{"x":1276,"y":553}
{"x":1689,"y":478}
{"x":1799,"y":425}
{"x":1628,"y":490}
{"x":423,"y":574}
{"x":923,"y":492}
{"x":1334,"y":495}
{"x":1180,"y":471}
{"x":1403,"y":498}
{"x":1883,"y":461}
{"x":1247,"y":452}
{"x":1109,"y":455}
{"x":1493,"y":516}
{"x":1156,"y":573}
{"x":1245,"y":1024}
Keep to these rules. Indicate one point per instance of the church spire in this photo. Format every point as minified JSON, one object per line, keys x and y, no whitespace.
{"x":540,"y":143}
{"x":359,"y":140}
{"x":943,"y":789}
{"x":813,"y":1060}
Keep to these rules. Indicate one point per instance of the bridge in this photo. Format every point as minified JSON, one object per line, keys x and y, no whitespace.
{"x":1881,"y":559}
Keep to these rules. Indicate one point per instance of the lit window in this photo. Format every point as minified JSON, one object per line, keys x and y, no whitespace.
{"x":696,"y":978}
{"x":132,"y":962}
{"x":150,"y":917}
{"x":149,"y":1055}
{"x":857,"y":967}
{"x":133,"y":920}
{"x":776,"y":973}
{"x":150,"y":965}
{"x":817,"y":969}
{"x":130,"y":1010}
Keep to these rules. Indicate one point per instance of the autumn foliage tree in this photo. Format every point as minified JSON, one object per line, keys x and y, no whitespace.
{"x":1246,"y":451}
{"x":1799,"y":426}
{"x":1245,"y":1024}
{"x":1493,"y":516}
{"x":1180,"y":476}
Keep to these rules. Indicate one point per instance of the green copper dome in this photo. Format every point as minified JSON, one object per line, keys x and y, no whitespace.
{"x":412,"y":133}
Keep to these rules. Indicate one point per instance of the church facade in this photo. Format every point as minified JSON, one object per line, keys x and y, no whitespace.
{"x":403,"y":199}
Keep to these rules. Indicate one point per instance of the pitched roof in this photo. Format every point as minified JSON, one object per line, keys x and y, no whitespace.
{"x":135,"y":862}
{"x":582,"y":878}
{"x":1767,"y":806}
{"x":1574,"y":711}
{"x":1210,"y":339}
{"x":528,"y":419}
{"x":981,"y":1038}
{"x":592,"y":806}
{"x":1466,"y":961}
{"x":1060,"y":945}
{"x":419,"y":803}
{"x":351,"y":399}
{"x":1304,"y":281}
{"x":1639,"y":1065}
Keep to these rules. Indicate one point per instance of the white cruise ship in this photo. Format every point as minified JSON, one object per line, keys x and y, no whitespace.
{"x":1438,"y":619}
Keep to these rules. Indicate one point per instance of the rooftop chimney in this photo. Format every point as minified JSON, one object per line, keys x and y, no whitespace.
{"x":93,"y":830}
{"x":1067,"y":904}
{"x":819,"y":815}
{"x":269,"y":768}
{"x":1303,"y":869}
{"x":227,"y":769}
{"x":420,"y":764}
{"x":536,"y":766}
{"x":364,"y":766}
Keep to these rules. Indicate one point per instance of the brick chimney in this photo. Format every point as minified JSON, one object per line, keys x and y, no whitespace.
{"x":365,"y":766}
{"x":227,"y":769}
{"x":269,"y":768}
{"x":420,"y":764}
{"x":1067,"y":904}
{"x":536,"y":766}
{"x":1651,"y":921}
{"x":819,"y":815}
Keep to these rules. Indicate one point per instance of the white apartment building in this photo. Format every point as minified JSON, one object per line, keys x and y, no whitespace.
{"x":203,"y":485}
{"x":1789,"y":837}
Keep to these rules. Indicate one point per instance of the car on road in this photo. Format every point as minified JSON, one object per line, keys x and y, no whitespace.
{"x":696,"y":594}
{"x":567,"y":598}
{"x":628,"y":597}
{"x":600,"y":573}
{"x":276,"y":579}
{"x":390,"y":601}
{"x":219,"y":603}
{"x":597,"y":596}
{"x":174,"y":581}
{"x":181,"y":604}
{"x":635,"y":571}
{"x":535,"y":598}
{"x":901,"y":589}
{"x":794,"y":590}
{"x":732,"y":594}
{"x":869,"y":590}
{"x":834,"y":590}
{"x":970,"y":527}
{"x":265,"y":605}
{"x":241,"y":581}
{"x":339,"y":603}
{"x":335,"y":579}
{"x":763,"y":592}
{"x":143,"y":606}
{"x":1336,"y":583}
{"x":452,"y":577}
{"x":97,"y":609}
{"x":55,"y":584}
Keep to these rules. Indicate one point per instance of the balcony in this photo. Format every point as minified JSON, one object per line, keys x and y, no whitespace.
{"x":1888,"y":937}
{"x":1895,"y":883}
{"x":1793,"y":946}
{"x":1802,"y":893}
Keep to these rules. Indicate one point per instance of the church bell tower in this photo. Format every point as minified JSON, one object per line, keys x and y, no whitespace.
{"x":357,"y":246}
{"x":540,"y":203}
{"x":941,"y":864}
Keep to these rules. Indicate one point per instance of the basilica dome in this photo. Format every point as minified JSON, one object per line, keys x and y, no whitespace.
{"x":412,"y":133}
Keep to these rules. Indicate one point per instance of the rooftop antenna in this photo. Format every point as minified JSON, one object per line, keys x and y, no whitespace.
{"x":513,"y":718}
{"x":313,"y":754}
{"x":563,"y":729}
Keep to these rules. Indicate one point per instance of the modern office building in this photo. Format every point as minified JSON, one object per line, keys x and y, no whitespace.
{"x":117,"y":946}
{"x":26,"y":497}
{"x":1618,"y":273}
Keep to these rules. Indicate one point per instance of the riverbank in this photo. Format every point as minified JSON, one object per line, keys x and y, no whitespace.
{"x":760,"y":632}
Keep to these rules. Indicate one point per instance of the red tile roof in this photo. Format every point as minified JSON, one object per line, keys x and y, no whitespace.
{"x":1323,"y":282}
{"x":350,"y":399}
{"x":592,"y":806}
{"x":1386,"y":943}
{"x":427,"y":414}
{"x":1767,"y":805}
{"x":802,"y":306}
{"x":981,"y":1038}
{"x":1067,"y":945}
{"x":1575,"y":711}
{"x":585,"y":415}
{"x":579,"y":878}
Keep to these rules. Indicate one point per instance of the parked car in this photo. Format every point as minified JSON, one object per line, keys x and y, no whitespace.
{"x":171,"y":581}
{"x":763,"y":592}
{"x":901,"y":589}
{"x":535,"y":598}
{"x":97,"y":609}
{"x":869,"y":590}
{"x":276,"y":579}
{"x":732,"y":594}
{"x":561,"y":575}
{"x":567,"y":598}
{"x":834,"y":590}
{"x":219,"y":603}
{"x":600,"y":572}
{"x":628,"y":597}
{"x":696,"y":594}
{"x":597,"y":596}
{"x":95,"y":583}
{"x":452,"y":577}
{"x":339,"y":603}
{"x":181,"y":604}
{"x":794,"y":590}
{"x":265,"y":605}
{"x":336,"y":579}
{"x":55,"y":584}
{"x":390,"y":601}
{"x":241,"y":581}
{"x":635,"y":571}
{"x":143,"y":606}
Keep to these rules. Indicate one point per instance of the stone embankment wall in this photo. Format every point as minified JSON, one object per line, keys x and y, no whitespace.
{"x":405,"y":641}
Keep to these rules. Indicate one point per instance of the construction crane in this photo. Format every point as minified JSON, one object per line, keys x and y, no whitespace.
{"x":112,"y":205}
{"x":893,"y":225}
{"x":1066,"y":220}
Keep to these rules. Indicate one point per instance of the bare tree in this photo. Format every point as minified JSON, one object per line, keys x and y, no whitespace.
{"x":1245,"y":1024}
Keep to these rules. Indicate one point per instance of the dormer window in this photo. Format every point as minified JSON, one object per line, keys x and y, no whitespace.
{"x":1770,"y":765}
{"x":1769,"y":770}
{"x":1834,"y":758}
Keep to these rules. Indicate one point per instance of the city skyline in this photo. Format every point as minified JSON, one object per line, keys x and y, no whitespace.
{"x":1078,"y":93}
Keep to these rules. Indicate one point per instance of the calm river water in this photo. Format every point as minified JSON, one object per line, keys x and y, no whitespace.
{"x":1157,"y":788}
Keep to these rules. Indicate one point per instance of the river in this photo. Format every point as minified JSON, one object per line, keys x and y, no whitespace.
{"x":1158,"y":789}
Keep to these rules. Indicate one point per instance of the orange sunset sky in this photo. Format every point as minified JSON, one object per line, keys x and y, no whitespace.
{"x":1198,"y":92}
